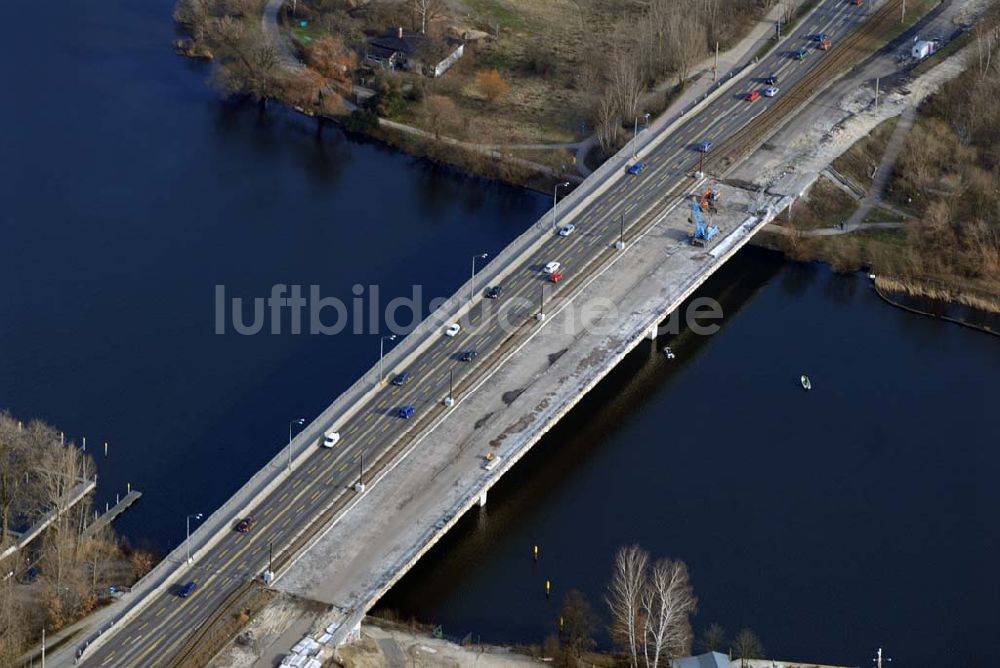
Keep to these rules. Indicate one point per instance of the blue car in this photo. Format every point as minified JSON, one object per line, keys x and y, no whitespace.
{"x":637,"y":168}
{"x":705,"y":146}
{"x":187,"y":589}
{"x":406,"y":412}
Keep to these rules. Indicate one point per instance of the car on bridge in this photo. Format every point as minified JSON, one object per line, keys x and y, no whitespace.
{"x":637,"y":168}
{"x":494,"y":292}
{"x":556,"y":276}
{"x":771,"y":91}
{"x":469,"y":355}
{"x":551,"y":268}
{"x":567,"y":230}
{"x":800,"y":54}
{"x":406,"y":412}
{"x":246,"y":525}
{"x":820,"y":37}
{"x":331,"y":439}
{"x":452,"y":329}
{"x":771,"y":80}
{"x":187,"y":589}
{"x":705,"y":146}
{"x":402,"y":379}
{"x":753,"y":96}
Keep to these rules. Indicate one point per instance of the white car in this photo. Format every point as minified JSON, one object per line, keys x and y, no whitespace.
{"x":551,"y":268}
{"x":452,"y":329}
{"x":567,"y":230}
{"x":330,"y":439}
{"x":771,"y":91}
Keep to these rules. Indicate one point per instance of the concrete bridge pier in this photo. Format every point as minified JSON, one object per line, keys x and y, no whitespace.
{"x":482,"y":499}
{"x":653,"y":331}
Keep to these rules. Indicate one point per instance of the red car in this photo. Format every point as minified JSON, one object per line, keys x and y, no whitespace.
{"x":753,"y":95}
{"x":556,"y":277}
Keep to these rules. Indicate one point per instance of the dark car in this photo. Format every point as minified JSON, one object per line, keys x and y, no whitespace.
{"x":772,"y":80}
{"x":402,"y":379}
{"x":705,"y":146}
{"x":246,"y":525}
{"x":186,"y":590}
{"x":494,"y":292}
{"x":469,"y":355}
{"x":406,"y":412}
{"x":637,"y":168}
{"x":800,"y":54}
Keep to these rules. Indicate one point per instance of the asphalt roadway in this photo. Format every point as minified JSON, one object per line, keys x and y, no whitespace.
{"x":163,"y":626}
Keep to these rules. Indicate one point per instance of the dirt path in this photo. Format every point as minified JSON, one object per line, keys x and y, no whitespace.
{"x":884,"y":170}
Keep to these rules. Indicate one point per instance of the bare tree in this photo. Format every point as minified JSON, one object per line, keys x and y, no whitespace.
{"x":440,"y":113}
{"x":713,"y":639}
{"x":606,"y":122}
{"x":667,"y":602}
{"x":249,"y":59}
{"x":15,"y":455}
{"x":625,"y":81}
{"x":426,"y":11}
{"x":578,"y":624}
{"x":625,"y":595}
{"x":746,"y":646}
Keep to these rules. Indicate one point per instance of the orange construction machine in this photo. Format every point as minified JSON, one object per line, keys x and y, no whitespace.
{"x":708,"y":200}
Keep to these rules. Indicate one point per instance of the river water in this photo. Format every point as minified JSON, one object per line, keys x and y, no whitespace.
{"x":861,"y":513}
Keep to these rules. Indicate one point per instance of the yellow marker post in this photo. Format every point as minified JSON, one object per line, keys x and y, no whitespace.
{"x":536,"y":553}
{"x":128,"y":487}
{"x":105,"y":448}
{"x":548,"y":588}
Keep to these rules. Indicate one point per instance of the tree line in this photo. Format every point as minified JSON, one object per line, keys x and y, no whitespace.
{"x":650,"y":604}
{"x":667,"y":38}
{"x":38,"y":473}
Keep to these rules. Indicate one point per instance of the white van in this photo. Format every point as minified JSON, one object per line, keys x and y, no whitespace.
{"x":331,"y":439}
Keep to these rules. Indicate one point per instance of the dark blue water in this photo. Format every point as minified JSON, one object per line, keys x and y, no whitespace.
{"x":858,"y":515}
{"x":862,"y":513}
{"x":128,"y":191}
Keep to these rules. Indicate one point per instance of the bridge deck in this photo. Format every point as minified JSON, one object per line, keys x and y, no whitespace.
{"x":369,"y":549}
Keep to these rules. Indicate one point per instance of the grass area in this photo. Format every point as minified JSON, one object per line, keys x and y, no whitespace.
{"x":858,"y":161}
{"x":495,"y":12}
{"x":826,"y":206}
{"x":306,"y":35}
{"x":880,"y":215}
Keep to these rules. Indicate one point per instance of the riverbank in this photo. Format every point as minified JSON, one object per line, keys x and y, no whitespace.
{"x":425,"y":117}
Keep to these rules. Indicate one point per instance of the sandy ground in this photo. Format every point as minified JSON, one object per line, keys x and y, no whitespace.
{"x":383,"y":645}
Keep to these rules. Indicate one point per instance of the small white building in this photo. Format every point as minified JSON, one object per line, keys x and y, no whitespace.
{"x":923,"y":48}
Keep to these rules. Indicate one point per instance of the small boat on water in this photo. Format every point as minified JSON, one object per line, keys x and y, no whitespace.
{"x":806,"y":383}
{"x":669,"y":353}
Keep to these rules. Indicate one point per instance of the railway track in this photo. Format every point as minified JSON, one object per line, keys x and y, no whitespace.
{"x":845,"y":53}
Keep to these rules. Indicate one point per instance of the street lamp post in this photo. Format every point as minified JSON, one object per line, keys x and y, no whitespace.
{"x":450,"y":399}
{"x":635,"y":131}
{"x":481,"y":256}
{"x":187,"y":539}
{"x":555,"y":201}
{"x":541,"y":304}
{"x":381,"y":354}
{"x":298,"y":421}
{"x":621,"y":236}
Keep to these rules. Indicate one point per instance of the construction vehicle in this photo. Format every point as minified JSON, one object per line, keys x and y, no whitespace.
{"x":708,"y":200}
{"x":703,"y":232}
